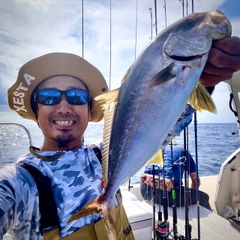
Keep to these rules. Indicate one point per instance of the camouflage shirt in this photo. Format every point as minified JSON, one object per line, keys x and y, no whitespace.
{"x":76,"y":179}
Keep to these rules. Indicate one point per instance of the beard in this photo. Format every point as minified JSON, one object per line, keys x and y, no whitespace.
{"x":64,"y":140}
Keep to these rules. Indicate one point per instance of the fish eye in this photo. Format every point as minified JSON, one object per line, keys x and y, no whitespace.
{"x":189,"y":23}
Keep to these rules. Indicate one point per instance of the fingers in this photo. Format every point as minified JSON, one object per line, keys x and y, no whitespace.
{"x":169,"y":184}
{"x":223,"y":61}
{"x":228,"y":45}
{"x":148,"y":179}
{"x":220,"y":59}
{"x":212,"y":75}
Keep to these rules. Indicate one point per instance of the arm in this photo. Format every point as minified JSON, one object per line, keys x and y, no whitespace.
{"x":193,"y":177}
{"x":16,"y":192}
{"x":193,"y":174}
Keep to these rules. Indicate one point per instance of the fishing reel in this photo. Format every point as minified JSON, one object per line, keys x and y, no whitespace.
{"x":162,"y":230}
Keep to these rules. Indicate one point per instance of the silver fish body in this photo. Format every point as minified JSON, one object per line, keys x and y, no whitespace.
{"x":156,"y":90}
{"x":150,"y":101}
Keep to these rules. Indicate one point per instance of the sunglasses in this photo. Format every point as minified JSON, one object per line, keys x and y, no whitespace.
{"x":51,"y":96}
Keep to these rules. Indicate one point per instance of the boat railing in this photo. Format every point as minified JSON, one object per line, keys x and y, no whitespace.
{"x":21,"y":126}
{"x":234,"y":102}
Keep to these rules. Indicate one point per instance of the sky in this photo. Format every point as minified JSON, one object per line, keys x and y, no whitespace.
{"x":30,"y":28}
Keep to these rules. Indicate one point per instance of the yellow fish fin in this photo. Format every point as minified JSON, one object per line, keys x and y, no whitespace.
{"x":201,"y":100}
{"x":156,"y":159}
{"x":110,"y":96}
{"x":108,"y":101}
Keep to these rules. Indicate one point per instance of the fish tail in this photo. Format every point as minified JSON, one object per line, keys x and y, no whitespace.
{"x":110,"y":224}
{"x":107,"y":211}
{"x":201,"y":100}
{"x":97,"y":206}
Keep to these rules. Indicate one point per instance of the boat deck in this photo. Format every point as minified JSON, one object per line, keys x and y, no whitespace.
{"x":208,"y":185}
{"x":211,"y":225}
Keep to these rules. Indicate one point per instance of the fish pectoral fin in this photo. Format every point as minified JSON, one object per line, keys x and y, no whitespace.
{"x":200,"y":99}
{"x":163,"y":76}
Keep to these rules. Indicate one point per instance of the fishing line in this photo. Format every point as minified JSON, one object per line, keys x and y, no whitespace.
{"x":110,"y":44}
{"x":154,"y":203}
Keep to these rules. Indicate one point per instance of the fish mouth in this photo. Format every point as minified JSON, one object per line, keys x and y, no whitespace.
{"x":185,"y":58}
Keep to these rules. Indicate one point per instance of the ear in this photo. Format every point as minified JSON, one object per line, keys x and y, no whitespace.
{"x":36,"y":116}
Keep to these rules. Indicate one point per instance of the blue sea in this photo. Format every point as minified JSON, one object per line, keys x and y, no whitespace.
{"x":215,"y":143}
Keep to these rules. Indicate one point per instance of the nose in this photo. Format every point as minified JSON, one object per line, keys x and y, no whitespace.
{"x":64,"y":106}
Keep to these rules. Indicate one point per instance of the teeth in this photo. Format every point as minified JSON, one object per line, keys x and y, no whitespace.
{"x":64,"y":123}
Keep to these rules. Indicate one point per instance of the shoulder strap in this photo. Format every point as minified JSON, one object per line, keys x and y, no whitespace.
{"x":47,"y":204}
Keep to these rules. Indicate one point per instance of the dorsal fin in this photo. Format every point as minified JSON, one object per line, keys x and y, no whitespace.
{"x":108,"y":102}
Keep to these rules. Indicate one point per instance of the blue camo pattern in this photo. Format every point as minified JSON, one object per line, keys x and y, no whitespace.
{"x":76,"y":179}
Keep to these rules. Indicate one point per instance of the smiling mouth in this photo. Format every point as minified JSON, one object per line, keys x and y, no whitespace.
{"x":64,"y":123}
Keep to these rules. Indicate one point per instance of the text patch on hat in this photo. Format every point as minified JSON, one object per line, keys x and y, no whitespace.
{"x":21,"y":90}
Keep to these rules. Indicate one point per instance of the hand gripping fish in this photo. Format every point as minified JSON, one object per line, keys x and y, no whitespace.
{"x":152,"y":97}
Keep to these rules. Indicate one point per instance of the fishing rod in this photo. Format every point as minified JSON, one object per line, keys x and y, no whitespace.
{"x":159,"y":221}
{"x":188,"y":227}
{"x":159,"y":229}
{"x":155,"y":10}
{"x":197,"y":175}
{"x":163,"y":226}
{"x":82,"y":28}
{"x":174,"y":206}
{"x":159,"y":197}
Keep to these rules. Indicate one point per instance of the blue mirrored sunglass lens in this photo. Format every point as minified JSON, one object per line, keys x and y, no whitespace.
{"x":48,"y":96}
{"x":77,"y":96}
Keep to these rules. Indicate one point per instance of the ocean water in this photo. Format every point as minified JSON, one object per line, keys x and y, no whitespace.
{"x":215,"y":143}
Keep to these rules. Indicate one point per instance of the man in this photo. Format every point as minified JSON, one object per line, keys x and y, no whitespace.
{"x":57,"y":91}
{"x":175,"y":159}
{"x":174,"y":166}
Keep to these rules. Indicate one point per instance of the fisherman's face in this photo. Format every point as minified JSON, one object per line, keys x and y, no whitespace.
{"x":62,"y":123}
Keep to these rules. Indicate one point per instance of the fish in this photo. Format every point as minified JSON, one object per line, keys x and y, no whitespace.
{"x":151,"y":98}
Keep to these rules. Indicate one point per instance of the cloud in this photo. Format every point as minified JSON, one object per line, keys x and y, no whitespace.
{"x":30,"y":28}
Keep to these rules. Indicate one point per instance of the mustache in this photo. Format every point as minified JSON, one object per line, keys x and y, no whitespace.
{"x":64,"y":116}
